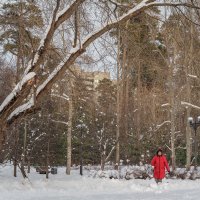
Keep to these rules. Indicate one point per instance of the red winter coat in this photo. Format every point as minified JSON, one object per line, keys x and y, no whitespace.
{"x":159,"y":163}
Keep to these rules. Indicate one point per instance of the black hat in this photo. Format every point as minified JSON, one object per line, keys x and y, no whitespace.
{"x":159,"y":150}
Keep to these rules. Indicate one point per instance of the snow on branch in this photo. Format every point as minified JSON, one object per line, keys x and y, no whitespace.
{"x":190,"y":105}
{"x":140,"y":7}
{"x":165,"y":104}
{"x":192,"y":76}
{"x":76,"y":52}
{"x":50,"y":77}
{"x":21,"y":109}
{"x":180,"y":147}
{"x":172,"y":4}
{"x":110,"y":154}
{"x":60,"y":96}
{"x":160,"y":125}
{"x":55,"y":22}
{"x":168,"y":147}
{"x":66,"y":96}
{"x":66,"y":13}
{"x":61,"y":122}
{"x":16,"y":90}
{"x":119,"y":4}
{"x":132,"y":4}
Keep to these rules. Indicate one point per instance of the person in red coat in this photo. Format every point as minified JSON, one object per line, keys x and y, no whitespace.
{"x":159,"y":163}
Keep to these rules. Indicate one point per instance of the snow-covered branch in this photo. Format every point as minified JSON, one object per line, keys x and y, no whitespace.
{"x":110,"y":154}
{"x":55,"y":22}
{"x":172,"y":4}
{"x":165,"y":104}
{"x":162,"y":124}
{"x":21,"y":109}
{"x":61,"y":96}
{"x":10,"y":99}
{"x":180,"y":147}
{"x":168,"y":147}
{"x":61,"y":122}
{"x":57,"y":19}
{"x":192,"y":76}
{"x":189,"y":105}
{"x":76,"y":52}
{"x":117,"y":4}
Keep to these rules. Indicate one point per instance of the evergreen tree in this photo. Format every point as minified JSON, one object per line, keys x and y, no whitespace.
{"x":20,"y":21}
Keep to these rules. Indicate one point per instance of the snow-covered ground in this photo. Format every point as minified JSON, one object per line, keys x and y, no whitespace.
{"x":75,"y":187}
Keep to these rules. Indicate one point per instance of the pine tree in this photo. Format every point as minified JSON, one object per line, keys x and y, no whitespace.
{"x":20,"y":21}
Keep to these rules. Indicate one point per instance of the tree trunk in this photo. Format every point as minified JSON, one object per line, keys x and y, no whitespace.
{"x":47,"y":162}
{"x":15,"y":150}
{"x":127,"y":107}
{"x":188,"y":91}
{"x":20,"y":53}
{"x":103,"y":158}
{"x":24,"y":148}
{"x":123,"y":81}
{"x":15,"y":166}
{"x":173,"y":139}
{"x":117,"y":156}
{"x":29,"y":164}
{"x":139,"y":86}
{"x":172,"y":115}
{"x":188,"y":130}
{"x":69,"y":133}
{"x":2,"y":134}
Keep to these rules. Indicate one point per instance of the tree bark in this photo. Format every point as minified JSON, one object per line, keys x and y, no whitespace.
{"x":103,"y":160}
{"x":172,"y":114}
{"x":47,"y":161}
{"x":117,"y":155}
{"x":15,"y":161}
{"x":29,"y":164}
{"x":24,"y":148}
{"x":188,"y":108}
{"x":139,"y":86}
{"x":69,"y":132}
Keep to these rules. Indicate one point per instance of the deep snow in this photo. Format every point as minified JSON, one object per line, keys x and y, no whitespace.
{"x":75,"y":187}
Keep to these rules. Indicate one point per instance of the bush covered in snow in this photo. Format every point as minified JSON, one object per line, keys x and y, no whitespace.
{"x":139,"y":172}
{"x":124,"y":172}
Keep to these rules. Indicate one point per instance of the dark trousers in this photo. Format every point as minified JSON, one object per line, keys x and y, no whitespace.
{"x":158,"y":181}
